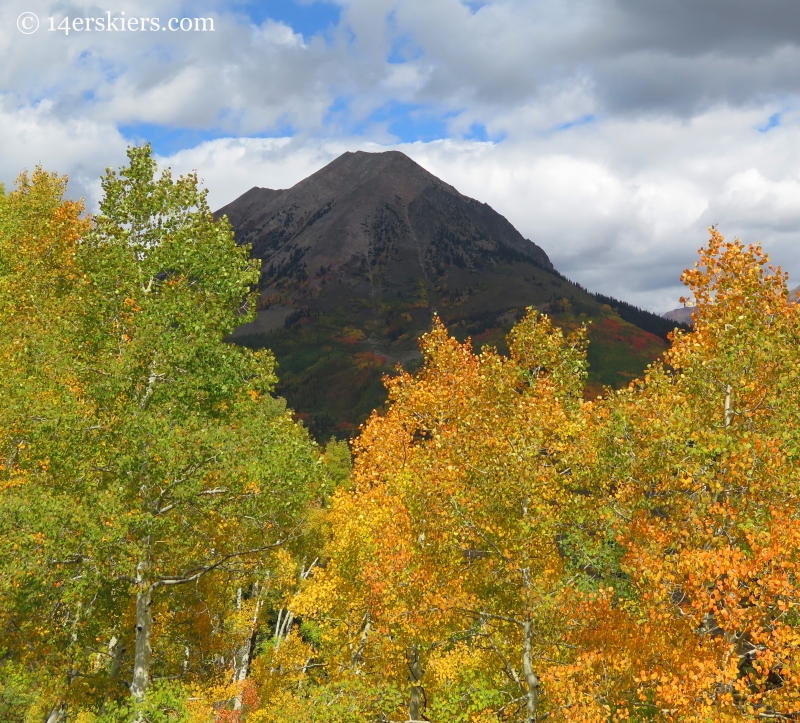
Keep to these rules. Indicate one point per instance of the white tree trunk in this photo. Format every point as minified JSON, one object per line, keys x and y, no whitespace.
{"x":58,"y":714}
{"x":530,"y":677}
{"x":728,"y":410}
{"x":244,"y":656}
{"x":358,"y":657}
{"x":117,"y":650}
{"x":144,"y":627}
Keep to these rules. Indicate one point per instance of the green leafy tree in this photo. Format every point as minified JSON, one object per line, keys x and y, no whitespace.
{"x":147,"y":469}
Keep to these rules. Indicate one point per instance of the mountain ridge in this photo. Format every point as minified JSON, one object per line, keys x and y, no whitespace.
{"x":315,"y":217}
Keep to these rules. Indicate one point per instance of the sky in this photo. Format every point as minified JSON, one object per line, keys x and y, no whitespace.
{"x":612,"y":133}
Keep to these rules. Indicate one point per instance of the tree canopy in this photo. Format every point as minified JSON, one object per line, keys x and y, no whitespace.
{"x":148,"y":470}
{"x":508,"y":551}
{"x":174,"y":547}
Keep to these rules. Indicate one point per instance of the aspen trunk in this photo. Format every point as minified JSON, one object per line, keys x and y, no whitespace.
{"x":530,"y":677}
{"x":283,"y":627}
{"x":244,"y":656}
{"x":144,"y":627}
{"x":358,"y":657}
{"x":728,"y":410}
{"x":416,"y":689}
{"x":116,"y":649}
{"x":58,"y":714}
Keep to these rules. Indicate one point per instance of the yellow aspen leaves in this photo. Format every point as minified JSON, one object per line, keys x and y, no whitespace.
{"x":173,"y":546}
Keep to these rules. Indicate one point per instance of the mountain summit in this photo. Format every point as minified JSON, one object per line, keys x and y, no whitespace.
{"x":372,"y":220}
{"x":358,"y":256}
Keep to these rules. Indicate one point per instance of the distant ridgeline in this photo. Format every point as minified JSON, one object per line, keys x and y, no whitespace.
{"x":661,"y":326}
{"x":358,"y":257}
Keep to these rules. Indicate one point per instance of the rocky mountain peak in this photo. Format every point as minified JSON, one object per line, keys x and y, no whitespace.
{"x":358,"y":256}
{"x":376,"y":213}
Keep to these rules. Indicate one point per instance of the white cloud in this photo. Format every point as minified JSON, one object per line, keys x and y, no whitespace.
{"x":406,"y":78}
{"x":80,"y":148}
{"x":629,"y":125}
{"x":616,"y":222}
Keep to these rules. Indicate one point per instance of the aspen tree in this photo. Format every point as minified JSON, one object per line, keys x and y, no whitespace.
{"x":148,"y":472}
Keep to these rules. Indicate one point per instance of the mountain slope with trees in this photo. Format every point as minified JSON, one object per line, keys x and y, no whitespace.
{"x":358,"y":257}
{"x":510,"y":552}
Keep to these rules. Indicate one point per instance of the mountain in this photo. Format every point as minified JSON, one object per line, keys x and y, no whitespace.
{"x":358,"y":256}
{"x":372,"y":216}
{"x":682,"y":315}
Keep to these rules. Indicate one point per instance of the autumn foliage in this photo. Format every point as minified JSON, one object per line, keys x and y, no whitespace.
{"x":632,"y":558}
{"x":175,"y":548}
{"x":148,"y":475}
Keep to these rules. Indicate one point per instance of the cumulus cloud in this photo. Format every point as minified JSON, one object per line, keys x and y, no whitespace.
{"x":485,"y":64}
{"x":625,"y":224}
{"x":610,"y":132}
{"x":79,"y":147}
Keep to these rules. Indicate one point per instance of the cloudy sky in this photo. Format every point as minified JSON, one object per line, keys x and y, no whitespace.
{"x":610,"y":132}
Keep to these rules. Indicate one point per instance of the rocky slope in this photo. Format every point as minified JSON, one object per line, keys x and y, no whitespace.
{"x":357,"y":257}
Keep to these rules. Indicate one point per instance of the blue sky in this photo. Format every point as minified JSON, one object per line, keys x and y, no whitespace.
{"x":307,"y":18}
{"x":321,"y":22}
{"x":612,"y":133}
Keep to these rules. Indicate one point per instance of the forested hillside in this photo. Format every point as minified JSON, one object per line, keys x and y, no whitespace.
{"x":491,"y":546}
{"x":358,"y":257}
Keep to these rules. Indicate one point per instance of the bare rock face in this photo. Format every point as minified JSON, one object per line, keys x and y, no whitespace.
{"x":372,"y":221}
{"x":683,"y":315}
